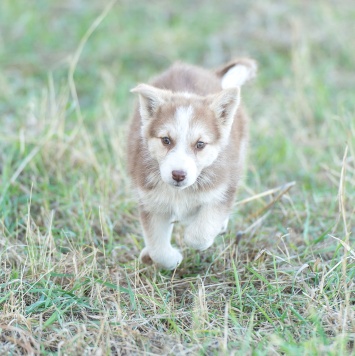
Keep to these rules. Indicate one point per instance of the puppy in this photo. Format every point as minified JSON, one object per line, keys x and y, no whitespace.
{"x":186,"y":148}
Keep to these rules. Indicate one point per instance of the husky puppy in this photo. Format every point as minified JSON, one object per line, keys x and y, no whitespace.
{"x":186,"y":148}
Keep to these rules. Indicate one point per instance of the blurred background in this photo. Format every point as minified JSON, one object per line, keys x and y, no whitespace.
{"x":300,"y":46}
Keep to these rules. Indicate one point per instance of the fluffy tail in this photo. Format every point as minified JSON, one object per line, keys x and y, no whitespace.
{"x":237,"y":72}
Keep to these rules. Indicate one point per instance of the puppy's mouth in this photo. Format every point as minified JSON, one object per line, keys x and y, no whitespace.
{"x":179,"y":185}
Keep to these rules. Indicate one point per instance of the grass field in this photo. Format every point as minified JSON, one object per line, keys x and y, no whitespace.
{"x":70,"y":281}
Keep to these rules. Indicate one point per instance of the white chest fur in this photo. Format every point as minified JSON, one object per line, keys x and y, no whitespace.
{"x":179,"y":204}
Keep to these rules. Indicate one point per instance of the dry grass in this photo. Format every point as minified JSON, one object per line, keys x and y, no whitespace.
{"x":282,"y":281}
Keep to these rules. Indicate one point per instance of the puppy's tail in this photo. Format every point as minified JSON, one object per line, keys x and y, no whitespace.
{"x":237,"y":72}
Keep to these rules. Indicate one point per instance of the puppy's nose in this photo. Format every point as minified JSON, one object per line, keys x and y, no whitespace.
{"x":178,"y":176}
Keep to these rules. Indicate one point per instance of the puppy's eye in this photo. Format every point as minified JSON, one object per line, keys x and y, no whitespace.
{"x":200,"y":145}
{"x":166,"y":141}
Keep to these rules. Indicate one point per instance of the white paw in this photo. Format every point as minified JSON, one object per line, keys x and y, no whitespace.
{"x":164,"y":258}
{"x":198,"y":242}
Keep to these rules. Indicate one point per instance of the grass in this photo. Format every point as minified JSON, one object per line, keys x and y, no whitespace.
{"x":70,"y":282}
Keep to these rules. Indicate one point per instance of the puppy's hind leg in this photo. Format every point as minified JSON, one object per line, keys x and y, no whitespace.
{"x":157,"y":230}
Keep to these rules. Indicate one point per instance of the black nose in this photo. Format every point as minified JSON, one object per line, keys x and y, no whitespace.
{"x":179,"y":176}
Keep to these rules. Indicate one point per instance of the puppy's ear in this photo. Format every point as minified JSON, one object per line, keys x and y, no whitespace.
{"x":225,"y":105}
{"x":150,"y":98}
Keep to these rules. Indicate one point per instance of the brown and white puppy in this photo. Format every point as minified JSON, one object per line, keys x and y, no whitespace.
{"x":186,"y":148}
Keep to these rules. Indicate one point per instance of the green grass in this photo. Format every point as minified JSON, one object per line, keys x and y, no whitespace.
{"x":70,"y":281}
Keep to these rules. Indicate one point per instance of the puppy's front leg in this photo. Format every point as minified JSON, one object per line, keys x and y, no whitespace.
{"x":210,"y":221}
{"x":157,"y":230}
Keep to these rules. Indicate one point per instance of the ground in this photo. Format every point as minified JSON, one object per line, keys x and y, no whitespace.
{"x":281,"y":281}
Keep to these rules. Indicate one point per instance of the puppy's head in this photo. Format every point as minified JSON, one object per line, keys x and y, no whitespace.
{"x":184,"y":132}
